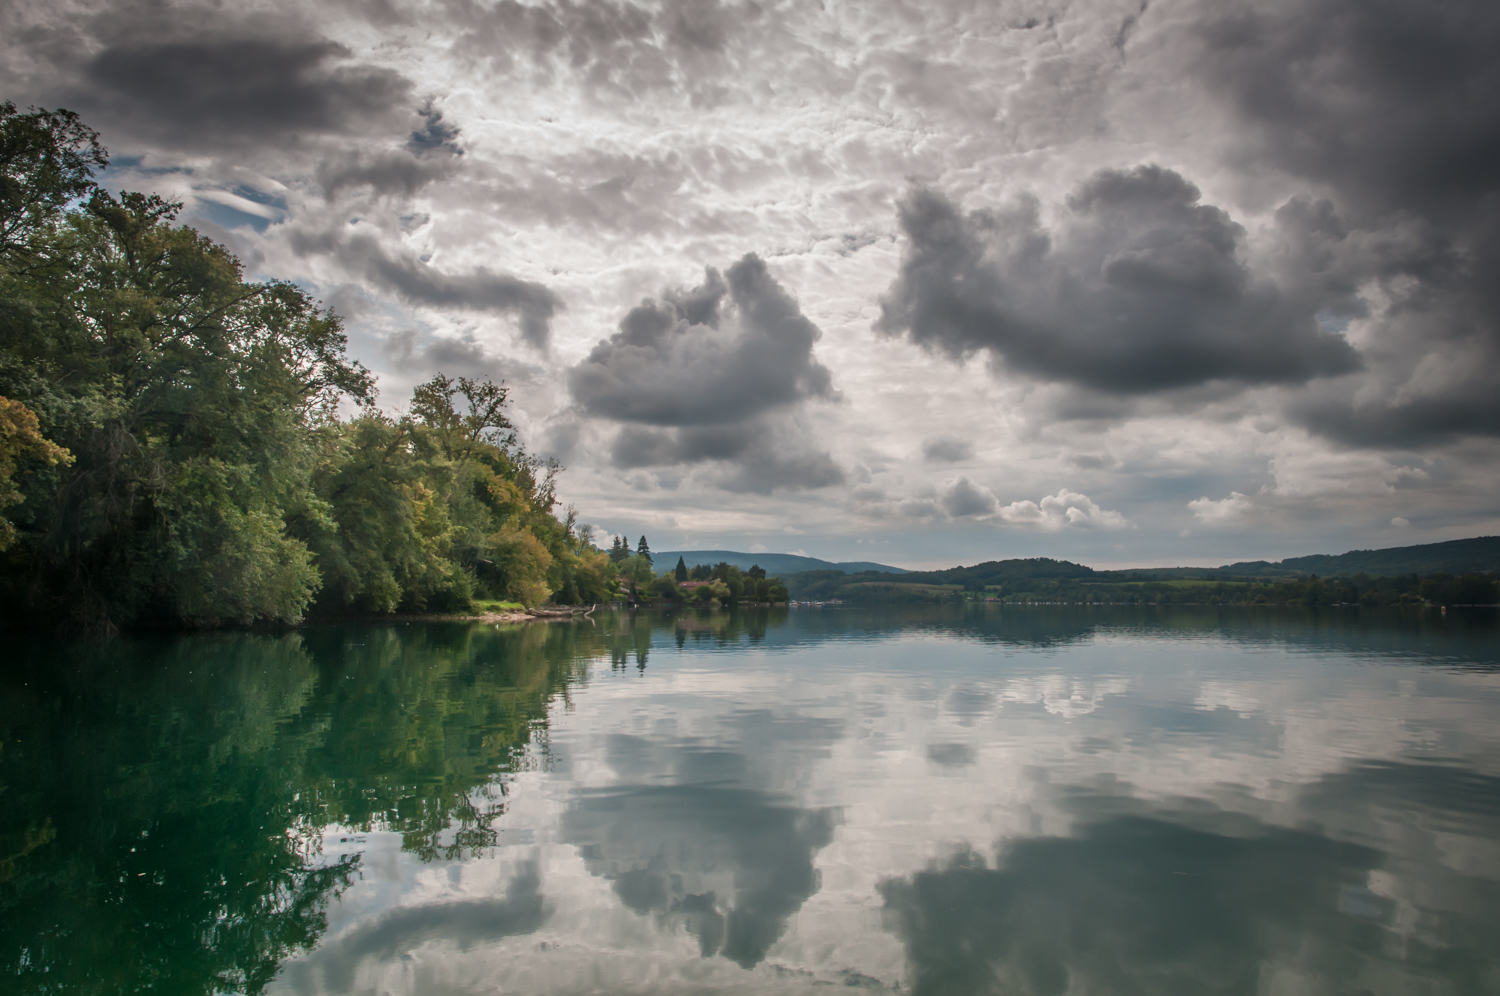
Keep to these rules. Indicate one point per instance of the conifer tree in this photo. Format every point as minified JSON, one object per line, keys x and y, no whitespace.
{"x":643,"y":549}
{"x":682,"y":571}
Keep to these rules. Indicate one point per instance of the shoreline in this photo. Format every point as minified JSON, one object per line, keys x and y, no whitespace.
{"x":507,"y":616}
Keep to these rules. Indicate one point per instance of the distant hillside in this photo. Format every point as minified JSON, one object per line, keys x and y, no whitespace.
{"x":1453,"y":557}
{"x":1478,"y":555}
{"x":779,"y":564}
{"x":1003,"y":572}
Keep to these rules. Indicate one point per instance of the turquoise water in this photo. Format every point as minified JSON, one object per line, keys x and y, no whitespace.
{"x":1008,"y":800}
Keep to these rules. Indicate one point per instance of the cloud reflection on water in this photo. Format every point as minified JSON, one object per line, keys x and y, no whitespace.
{"x":1188,"y":897}
{"x":731,"y":864}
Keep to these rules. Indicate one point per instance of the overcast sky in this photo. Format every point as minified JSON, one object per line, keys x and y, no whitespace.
{"x":924,"y":283}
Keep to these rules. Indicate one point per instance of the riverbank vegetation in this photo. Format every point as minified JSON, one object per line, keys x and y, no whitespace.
{"x":701,"y":584}
{"x":182,"y":446}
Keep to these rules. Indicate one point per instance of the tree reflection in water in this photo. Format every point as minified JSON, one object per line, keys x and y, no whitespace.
{"x":165,"y":800}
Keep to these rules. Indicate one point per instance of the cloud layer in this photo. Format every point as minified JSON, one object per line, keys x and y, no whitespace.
{"x":1227,"y":265}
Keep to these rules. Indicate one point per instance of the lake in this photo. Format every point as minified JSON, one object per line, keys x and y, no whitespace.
{"x":1030,"y":800}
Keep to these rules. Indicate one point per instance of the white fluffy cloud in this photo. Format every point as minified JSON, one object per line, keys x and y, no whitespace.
{"x":1224,"y":511}
{"x":1064,"y":510}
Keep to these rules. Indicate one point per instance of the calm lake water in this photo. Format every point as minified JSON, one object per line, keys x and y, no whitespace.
{"x":1011,"y":800}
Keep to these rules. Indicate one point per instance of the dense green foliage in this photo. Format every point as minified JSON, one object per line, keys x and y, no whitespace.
{"x":723,"y":583}
{"x":171,"y":445}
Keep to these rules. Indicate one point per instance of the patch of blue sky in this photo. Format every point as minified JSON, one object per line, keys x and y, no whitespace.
{"x":1333,"y":322}
{"x":234,"y":210}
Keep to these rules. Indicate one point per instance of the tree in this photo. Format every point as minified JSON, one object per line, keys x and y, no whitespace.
{"x":459,"y":432}
{"x":619,"y":549}
{"x":47,"y":160}
{"x":20,"y":442}
{"x":756,"y":571}
{"x":190,"y":401}
{"x":523,"y":562}
{"x":643,"y":549}
{"x":733,"y":579}
{"x":172,"y":449}
{"x":665,"y":588}
{"x":682,"y":570}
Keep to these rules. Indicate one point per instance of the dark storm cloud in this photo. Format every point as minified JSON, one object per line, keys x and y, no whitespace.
{"x":636,"y":446}
{"x":479,"y":290}
{"x":731,"y":864}
{"x":430,"y":154}
{"x":767,"y":467}
{"x":1141,"y":288}
{"x":397,"y":173}
{"x":1394,"y":104}
{"x":410,"y":354}
{"x":961,"y":498}
{"x":709,"y":374}
{"x":1392,"y":110}
{"x":685,"y":361}
{"x":761,"y":459}
{"x":1432,"y":338}
{"x":228,"y":89}
{"x":947,"y":449}
{"x":1465,"y":406}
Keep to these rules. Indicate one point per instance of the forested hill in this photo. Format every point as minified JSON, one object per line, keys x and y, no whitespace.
{"x":1003,"y":572}
{"x":775,"y":563}
{"x":1478,"y":555}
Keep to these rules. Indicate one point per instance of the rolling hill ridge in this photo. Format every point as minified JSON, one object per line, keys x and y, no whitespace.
{"x":777,"y":564}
